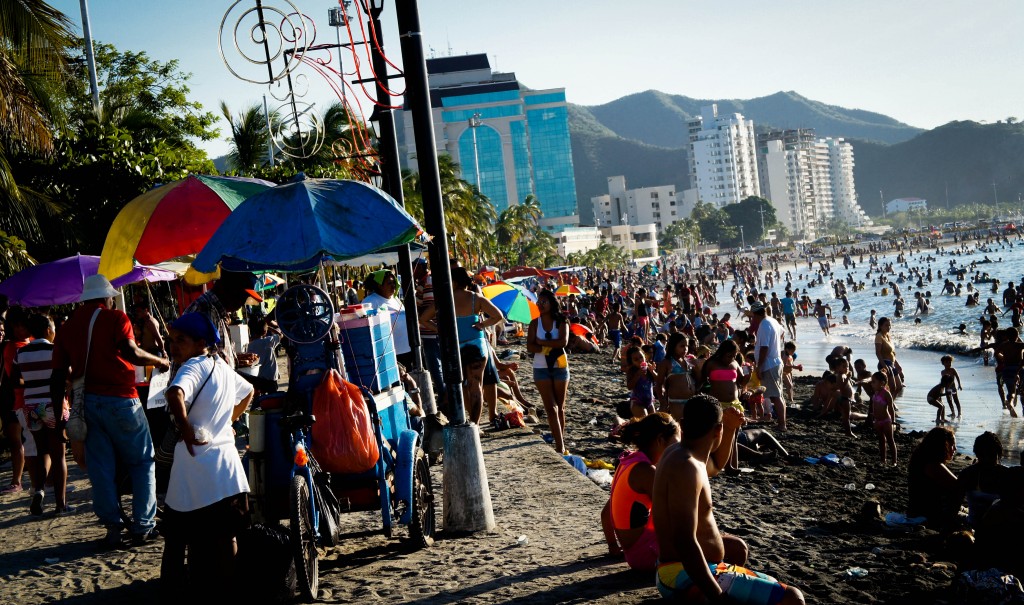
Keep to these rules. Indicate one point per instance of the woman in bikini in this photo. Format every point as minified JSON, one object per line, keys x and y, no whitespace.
{"x":883,"y":413}
{"x":676,"y":377}
{"x":626,"y":518}
{"x":886,"y":352}
{"x":724,"y":377}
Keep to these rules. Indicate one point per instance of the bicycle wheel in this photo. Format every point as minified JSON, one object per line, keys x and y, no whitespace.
{"x":307,"y":566}
{"x":422,"y":525}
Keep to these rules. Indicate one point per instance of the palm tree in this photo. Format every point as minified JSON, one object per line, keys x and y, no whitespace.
{"x":468,"y":214}
{"x":249,"y":136}
{"x":34,"y":41}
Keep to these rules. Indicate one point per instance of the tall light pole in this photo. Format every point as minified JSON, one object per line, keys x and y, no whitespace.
{"x":743,"y":240}
{"x":629,"y":236}
{"x":764,"y":239}
{"x":90,"y":57}
{"x":474,"y":123}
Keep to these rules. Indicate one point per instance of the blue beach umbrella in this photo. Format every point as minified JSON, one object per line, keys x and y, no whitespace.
{"x":296,"y":226}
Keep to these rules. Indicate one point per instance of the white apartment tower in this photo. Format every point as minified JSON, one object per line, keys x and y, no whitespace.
{"x":844,"y":194}
{"x":809,"y":181}
{"x":723,"y":157}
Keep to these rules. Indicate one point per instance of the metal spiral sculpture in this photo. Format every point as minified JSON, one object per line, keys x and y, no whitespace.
{"x":269,"y":45}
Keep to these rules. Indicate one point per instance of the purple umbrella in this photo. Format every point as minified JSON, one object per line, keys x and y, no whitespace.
{"x":60,"y":282}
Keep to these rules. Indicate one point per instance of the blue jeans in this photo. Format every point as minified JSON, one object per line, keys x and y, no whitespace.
{"x":118,"y":432}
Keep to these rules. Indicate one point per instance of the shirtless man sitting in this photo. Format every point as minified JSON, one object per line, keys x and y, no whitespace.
{"x":696,"y":563}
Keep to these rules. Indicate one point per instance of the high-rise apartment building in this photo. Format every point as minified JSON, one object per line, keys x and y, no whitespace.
{"x":844,"y":193}
{"x":509,"y":141}
{"x":723,"y":157}
{"x":809,"y":181}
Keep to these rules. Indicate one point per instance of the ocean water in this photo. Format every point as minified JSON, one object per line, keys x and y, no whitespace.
{"x":919,"y":346}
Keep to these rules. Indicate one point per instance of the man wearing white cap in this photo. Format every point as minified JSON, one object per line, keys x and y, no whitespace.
{"x":116,"y":420}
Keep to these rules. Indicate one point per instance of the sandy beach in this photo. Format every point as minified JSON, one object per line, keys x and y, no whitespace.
{"x":802,"y":526}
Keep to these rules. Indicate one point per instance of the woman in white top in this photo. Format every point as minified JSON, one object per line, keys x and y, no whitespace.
{"x":547,"y":338}
{"x":206,"y":503}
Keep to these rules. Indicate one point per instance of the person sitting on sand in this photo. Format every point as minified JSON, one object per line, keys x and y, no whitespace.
{"x":824,"y":392}
{"x":983,"y":482}
{"x":931,"y":486}
{"x":626,"y":518}
{"x":1001,"y":531}
{"x":696,"y":562}
{"x":759,"y":445}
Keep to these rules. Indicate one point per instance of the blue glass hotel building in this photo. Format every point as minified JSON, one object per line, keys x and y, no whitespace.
{"x":509,"y":141}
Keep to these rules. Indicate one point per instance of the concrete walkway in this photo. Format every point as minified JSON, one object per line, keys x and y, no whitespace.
{"x":534,"y":493}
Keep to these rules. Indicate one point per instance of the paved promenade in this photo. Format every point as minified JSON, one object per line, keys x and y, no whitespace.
{"x":534,"y":493}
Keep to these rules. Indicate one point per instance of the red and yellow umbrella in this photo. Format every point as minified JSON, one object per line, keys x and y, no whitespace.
{"x":583,"y":331}
{"x":568,"y":290}
{"x":174,"y":220}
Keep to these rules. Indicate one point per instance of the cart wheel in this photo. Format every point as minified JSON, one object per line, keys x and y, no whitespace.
{"x":421,"y":528}
{"x":303,"y":540}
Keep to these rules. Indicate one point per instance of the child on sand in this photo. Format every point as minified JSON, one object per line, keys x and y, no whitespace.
{"x":951,"y":396}
{"x":696,"y":561}
{"x":788,"y":357}
{"x":615,"y":323}
{"x":883,"y":411}
{"x":640,"y":378}
{"x":935,"y":396}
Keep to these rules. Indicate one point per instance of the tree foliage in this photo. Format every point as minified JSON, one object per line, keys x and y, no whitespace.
{"x":748,"y":214}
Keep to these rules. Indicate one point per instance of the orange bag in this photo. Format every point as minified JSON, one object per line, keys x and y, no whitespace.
{"x":343,"y":437}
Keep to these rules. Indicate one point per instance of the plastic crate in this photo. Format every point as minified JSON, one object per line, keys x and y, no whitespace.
{"x":368,"y":348}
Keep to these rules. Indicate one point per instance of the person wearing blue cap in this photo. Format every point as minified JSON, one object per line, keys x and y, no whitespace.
{"x":207,"y":503}
{"x":229,"y":294}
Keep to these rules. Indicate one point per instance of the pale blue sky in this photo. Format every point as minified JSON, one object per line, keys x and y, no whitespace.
{"x":924,"y":62}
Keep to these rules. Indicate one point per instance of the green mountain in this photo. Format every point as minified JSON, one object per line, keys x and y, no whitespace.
{"x":967,"y":157}
{"x":659,"y":119}
{"x":644,"y":136}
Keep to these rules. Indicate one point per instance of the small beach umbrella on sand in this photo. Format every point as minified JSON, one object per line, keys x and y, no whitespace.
{"x":568,"y":290}
{"x":583,"y":332}
{"x":513,"y":301}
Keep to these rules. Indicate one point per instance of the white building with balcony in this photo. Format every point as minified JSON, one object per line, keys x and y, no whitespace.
{"x":723,"y":157}
{"x":646,"y":205}
{"x":578,"y":239}
{"x":640,"y":241}
{"x":906,"y":204}
{"x":809,"y":181}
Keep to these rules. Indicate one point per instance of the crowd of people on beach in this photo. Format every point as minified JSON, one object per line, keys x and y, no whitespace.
{"x":705,"y":390}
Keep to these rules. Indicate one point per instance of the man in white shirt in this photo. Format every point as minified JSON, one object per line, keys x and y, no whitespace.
{"x":768,"y":353}
{"x":382,"y":288}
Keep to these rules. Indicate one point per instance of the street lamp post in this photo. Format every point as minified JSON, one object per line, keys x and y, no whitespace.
{"x":629,"y":251}
{"x":743,"y":240}
{"x":474,"y":123}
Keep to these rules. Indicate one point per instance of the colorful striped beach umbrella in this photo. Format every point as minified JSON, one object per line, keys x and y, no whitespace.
{"x":513,"y":301}
{"x":173,"y":220}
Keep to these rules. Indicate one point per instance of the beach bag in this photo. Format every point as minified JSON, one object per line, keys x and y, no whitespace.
{"x":164,"y":454}
{"x":76,"y":426}
{"x":343,"y":436}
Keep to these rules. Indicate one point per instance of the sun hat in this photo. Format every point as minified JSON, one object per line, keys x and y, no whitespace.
{"x":96,"y":287}
{"x":198,"y":326}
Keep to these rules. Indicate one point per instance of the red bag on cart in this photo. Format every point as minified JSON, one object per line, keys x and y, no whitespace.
{"x":343,"y":437}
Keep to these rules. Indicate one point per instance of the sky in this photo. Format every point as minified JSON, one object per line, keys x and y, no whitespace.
{"x":924,"y":63}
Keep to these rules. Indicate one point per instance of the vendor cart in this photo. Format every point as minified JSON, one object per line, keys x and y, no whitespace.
{"x":299,"y":227}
